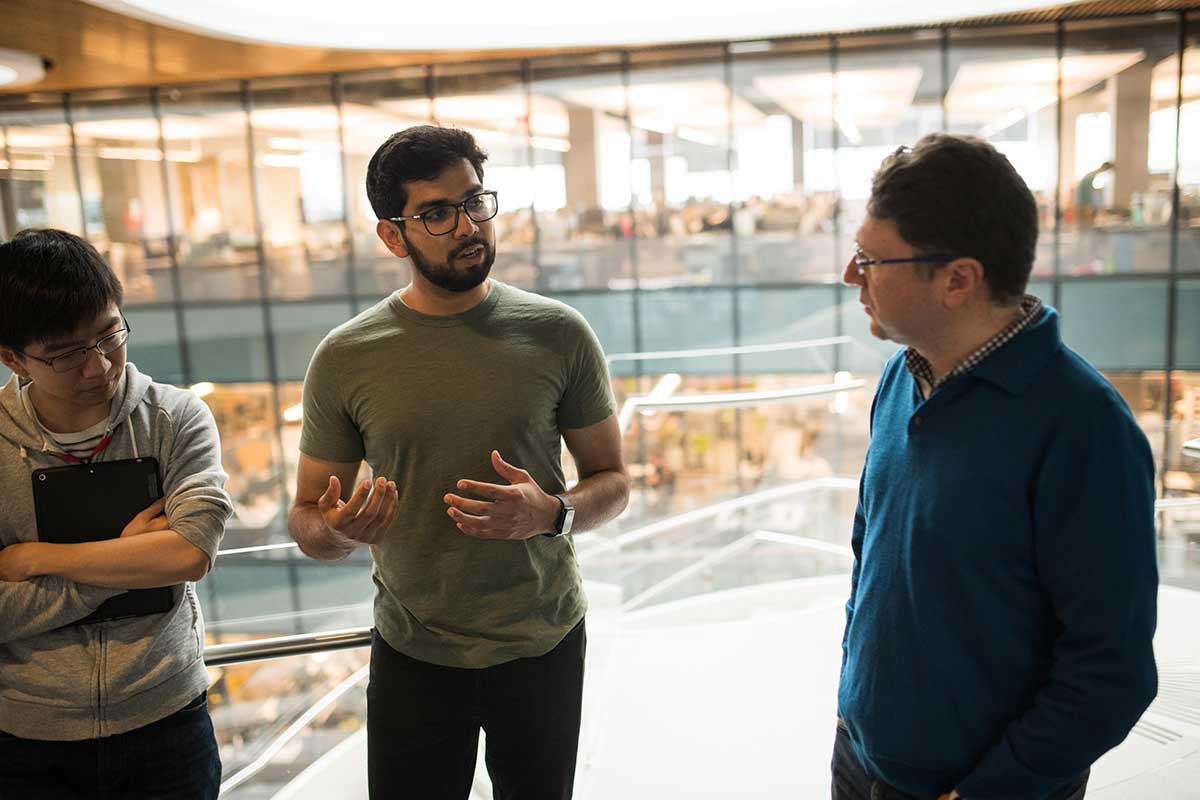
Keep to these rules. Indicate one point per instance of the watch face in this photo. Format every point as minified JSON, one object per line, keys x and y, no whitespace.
{"x":568,"y":520}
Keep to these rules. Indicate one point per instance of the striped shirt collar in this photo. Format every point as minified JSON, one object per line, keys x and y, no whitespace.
{"x":919,"y":367}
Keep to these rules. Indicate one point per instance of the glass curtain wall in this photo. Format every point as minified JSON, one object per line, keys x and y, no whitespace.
{"x":687,"y":198}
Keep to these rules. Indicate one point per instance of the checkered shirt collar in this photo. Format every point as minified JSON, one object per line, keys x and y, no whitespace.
{"x":918,"y":365}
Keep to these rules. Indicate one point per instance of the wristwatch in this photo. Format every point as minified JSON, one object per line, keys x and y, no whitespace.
{"x":566,"y":517}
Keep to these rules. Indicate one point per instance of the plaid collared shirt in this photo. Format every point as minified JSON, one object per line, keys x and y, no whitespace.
{"x":918,"y":365}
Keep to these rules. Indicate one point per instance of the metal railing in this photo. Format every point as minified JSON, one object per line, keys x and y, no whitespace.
{"x":1192,"y":448}
{"x":304,"y":644}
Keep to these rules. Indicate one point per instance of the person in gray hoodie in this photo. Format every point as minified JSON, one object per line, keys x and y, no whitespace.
{"x":115,"y":708}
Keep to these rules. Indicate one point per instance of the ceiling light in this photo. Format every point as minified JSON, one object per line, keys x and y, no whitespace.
{"x":19,"y":67}
{"x":359,"y":25}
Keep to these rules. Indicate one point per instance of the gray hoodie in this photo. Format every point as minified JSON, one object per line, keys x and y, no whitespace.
{"x":67,"y":682}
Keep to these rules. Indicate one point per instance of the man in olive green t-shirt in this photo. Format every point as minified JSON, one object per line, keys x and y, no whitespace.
{"x":456,"y":391}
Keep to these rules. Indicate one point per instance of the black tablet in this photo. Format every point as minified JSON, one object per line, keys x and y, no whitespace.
{"x":91,"y":502}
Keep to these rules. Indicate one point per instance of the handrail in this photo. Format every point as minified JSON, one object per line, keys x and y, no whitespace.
{"x":706,"y":352}
{"x":706,"y":400}
{"x":743,"y":399}
{"x":1192,"y":448}
{"x":218,"y":655}
{"x":733,"y":504}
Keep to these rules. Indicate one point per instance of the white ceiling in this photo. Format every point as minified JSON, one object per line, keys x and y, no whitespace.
{"x":394,"y":25}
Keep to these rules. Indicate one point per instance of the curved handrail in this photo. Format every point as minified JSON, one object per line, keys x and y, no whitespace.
{"x":708,"y":352}
{"x":218,"y":655}
{"x":307,"y":643}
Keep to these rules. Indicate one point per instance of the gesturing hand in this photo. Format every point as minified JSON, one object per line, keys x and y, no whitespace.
{"x":950,"y":795}
{"x":519,"y":511}
{"x":360,"y":521}
{"x":151,"y":518}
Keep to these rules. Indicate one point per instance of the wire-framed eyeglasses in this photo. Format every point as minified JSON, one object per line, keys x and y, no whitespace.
{"x":105,"y":345}
{"x":862,"y":260}
{"x":443,"y":219}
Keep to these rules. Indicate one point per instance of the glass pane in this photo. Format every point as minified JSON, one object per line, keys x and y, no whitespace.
{"x":245,"y":415}
{"x":495,"y":108}
{"x":298,"y":328}
{"x":254,"y":707}
{"x":784,"y":198}
{"x":1189,"y":155}
{"x":687,"y":319}
{"x":682,"y":183}
{"x":120,"y":161}
{"x":1116,"y":325}
{"x":37,"y":176}
{"x":581,"y":173}
{"x":1118,"y":146}
{"x":783,"y":316}
{"x":208,"y":172}
{"x":227,"y":344}
{"x":1183,"y":470}
{"x":154,"y":345}
{"x":888,"y":92}
{"x":1004,"y":88}
{"x":374,"y":106}
{"x":1187,"y":331}
{"x":298,"y":166}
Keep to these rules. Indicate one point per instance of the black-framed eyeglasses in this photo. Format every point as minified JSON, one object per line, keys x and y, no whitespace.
{"x":862,"y":260}
{"x":443,"y":219}
{"x":77,"y":358}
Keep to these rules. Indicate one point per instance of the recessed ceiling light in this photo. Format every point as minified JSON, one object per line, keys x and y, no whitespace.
{"x":18,"y":67}
{"x":364,"y":24}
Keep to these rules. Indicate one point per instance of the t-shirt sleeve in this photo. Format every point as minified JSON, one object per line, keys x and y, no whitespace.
{"x":588,"y":396}
{"x":328,"y":432}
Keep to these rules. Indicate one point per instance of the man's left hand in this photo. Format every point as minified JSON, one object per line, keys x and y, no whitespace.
{"x":17,"y":562}
{"x":519,"y":511}
{"x":950,"y":795}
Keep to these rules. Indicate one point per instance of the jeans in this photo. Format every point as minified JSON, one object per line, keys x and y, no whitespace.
{"x":423,"y":724}
{"x":851,"y":781}
{"x":171,"y":759}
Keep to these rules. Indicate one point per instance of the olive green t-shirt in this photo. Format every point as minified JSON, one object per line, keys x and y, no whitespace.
{"x":424,"y":400}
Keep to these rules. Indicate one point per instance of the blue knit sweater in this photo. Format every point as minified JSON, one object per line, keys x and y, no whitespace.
{"x":1002,"y":604}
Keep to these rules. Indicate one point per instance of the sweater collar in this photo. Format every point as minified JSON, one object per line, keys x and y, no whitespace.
{"x":1016,"y":366}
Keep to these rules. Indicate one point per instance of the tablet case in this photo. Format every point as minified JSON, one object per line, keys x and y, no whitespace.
{"x":92,"y":502}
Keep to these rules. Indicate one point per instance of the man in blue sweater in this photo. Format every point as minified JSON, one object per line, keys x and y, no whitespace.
{"x":1002,"y":605}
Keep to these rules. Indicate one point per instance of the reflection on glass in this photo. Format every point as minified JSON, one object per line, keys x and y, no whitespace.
{"x":1183,"y":470}
{"x":784,"y":198}
{"x":1004,"y":88}
{"x":581,"y":189}
{"x":245,"y":416}
{"x":37,"y":178}
{"x":1118,"y":147}
{"x":495,"y":108}
{"x":212,"y":207}
{"x":375,"y":106}
{"x":681,"y":180}
{"x":298,"y":166}
{"x":887,"y":93}
{"x":120,"y":162}
{"x":154,"y":344}
{"x":1116,"y":324}
{"x":1189,"y":156}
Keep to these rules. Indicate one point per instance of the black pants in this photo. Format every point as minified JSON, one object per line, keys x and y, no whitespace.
{"x":423,"y":724}
{"x":851,"y":781}
{"x":175,"y":758}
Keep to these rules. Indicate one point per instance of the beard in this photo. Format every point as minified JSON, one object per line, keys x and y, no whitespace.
{"x":450,"y":278}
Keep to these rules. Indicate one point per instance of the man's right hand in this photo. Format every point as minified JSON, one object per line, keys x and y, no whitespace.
{"x":361,"y":521}
{"x":148,"y":519}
